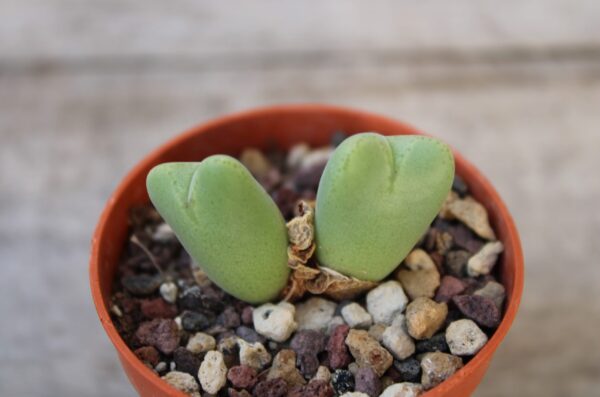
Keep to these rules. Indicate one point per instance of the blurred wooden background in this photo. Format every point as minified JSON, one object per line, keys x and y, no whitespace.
{"x":87,"y":88}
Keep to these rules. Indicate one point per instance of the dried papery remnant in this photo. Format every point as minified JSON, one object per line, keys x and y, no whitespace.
{"x":314,"y":279}
{"x":301,"y":229}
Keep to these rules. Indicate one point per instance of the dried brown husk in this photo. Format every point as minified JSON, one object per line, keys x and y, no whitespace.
{"x":307,"y":275}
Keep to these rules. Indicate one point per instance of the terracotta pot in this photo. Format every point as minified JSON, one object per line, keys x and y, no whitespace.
{"x":282,"y":127}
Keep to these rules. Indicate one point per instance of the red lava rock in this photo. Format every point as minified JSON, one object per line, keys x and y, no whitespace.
{"x":316,"y":388}
{"x":247,"y":315}
{"x":339,"y":356}
{"x":186,"y":361}
{"x":478,"y":308}
{"x":449,"y":286}
{"x":157,"y":308}
{"x":242,"y":376}
{"x":308,"y":344}
{"x":238,"y":393}
{"x":160,"y":333}
{"x":148,"y":354}
{"x":276,"y":387}
{"x":367,"y":381}
{"x":229,"y":318}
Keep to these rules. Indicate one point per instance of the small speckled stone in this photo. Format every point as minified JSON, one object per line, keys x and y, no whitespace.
{"x":403,"y":390}
{"x":354,"y":394}
{"x":419,"y":283}
{"x":437,"y":367}
{"x":437,"y":343}
{"x":307,"y":344}
{"x":368,"y":352}
{"x":356,"y":316}
{"x":213,"y":372}
{"x":484,"y":261}
{"x":316,"y":313}
{"x":465,"y":338}
{"x":409,"y":370}
{"x":424,"y":317}
{"x":284,"y":367}
{"x":478,"y":308}
{"x":418,"y":259}
{"x":253,"y":354}
{"x":276,"y":322}
{"x":201,"y":342}
{"x":182,"y":382}
{"x":494,"y":291}
{"x":397,"y":340}
{"x":342,"y":381}
{"x":386,"y":301}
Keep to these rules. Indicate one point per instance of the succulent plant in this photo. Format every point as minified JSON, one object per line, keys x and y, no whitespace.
{"x":376,"y":199}
{"x":226,"y":222}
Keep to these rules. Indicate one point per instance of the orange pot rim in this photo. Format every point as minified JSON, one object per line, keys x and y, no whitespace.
{"x":483,"y":357}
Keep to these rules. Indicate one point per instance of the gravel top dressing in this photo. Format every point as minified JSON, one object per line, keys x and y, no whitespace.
{"x":328,"y":334}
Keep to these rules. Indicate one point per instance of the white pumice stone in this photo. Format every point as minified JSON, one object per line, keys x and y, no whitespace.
{"x":465,"y":338}
{"x":386,"y":301}
{"x":213,"y":372}
{"x":483,"y":261}
{"x":275,"y":322}
{"x":316,"y":314}
{"x":397,"y":340}
{"x":356,"y":316}
{"x":405,"y":389}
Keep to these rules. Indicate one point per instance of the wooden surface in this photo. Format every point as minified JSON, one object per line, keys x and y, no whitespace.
{"x":87,"y":88}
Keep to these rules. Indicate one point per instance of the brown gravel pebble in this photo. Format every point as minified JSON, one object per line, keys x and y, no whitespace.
{"x":479,"y":308}
{"x":424,"y":317}
{"x":157,"y":308}
{"x":148,"y":354}
{"x":437,"y":367}
{"x":368,"y":352}
{"x":419,"y":283}
{"x":449,"y":287}
{"x":284,"y":367}
{"x":367,"y":381}
{"x":271,"y":388}
{"x":160,"y":333}
{"x":242,"y":376}
{"x":339,"y":355}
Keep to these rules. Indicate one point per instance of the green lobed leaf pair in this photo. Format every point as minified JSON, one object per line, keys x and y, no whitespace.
{"x":376,"y":198}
